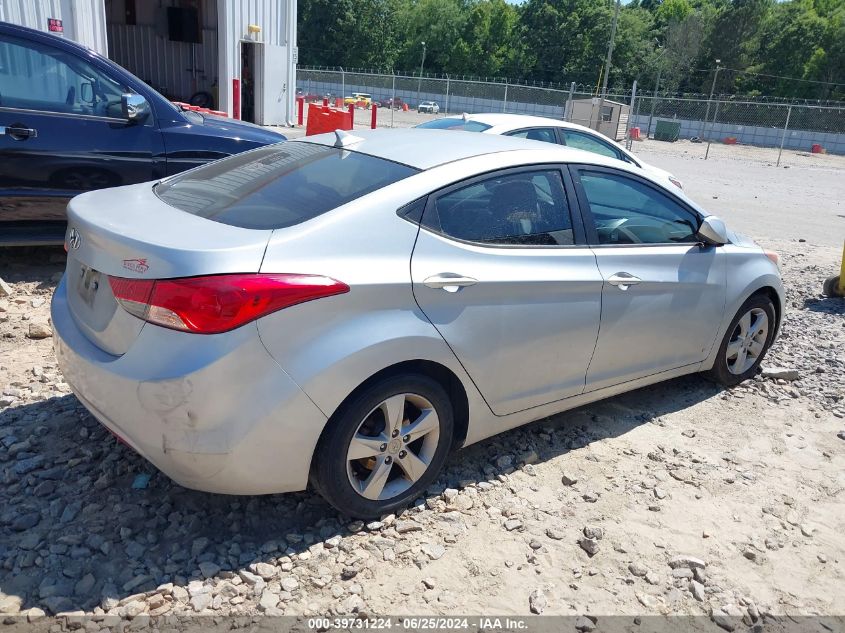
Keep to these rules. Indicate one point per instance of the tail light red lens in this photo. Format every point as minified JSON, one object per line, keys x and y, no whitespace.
{"x":218,"y":303}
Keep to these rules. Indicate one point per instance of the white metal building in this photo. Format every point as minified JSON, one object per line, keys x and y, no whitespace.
{"x":242,"y":53}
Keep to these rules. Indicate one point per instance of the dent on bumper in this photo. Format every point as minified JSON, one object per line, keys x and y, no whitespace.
{"x":214,"y":413}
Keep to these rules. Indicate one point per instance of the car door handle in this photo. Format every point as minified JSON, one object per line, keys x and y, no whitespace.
{"x":19,"y":132}
{"x":623,"y":280}
{"x":450,"y":282}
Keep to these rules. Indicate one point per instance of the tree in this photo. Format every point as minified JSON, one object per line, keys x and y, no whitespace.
{"x":490,"y":44}
{"x":348,"y":33}
{"x":791,"y":36}
{"x":634,"y":49}
{"x":734,"y":39}
{"x":566,"y":40}
{"x":827,"y":63}
{"x":438,"y":23}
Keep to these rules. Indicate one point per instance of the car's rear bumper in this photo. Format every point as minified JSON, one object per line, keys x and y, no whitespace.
{"x":214,"y":413}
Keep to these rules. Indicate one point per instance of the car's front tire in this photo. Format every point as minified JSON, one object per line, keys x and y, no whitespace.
{"x":384,"y":446}
{"x":746,"y":342}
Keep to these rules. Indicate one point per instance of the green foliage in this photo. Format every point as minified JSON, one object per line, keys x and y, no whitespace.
{"x":758,"y":42}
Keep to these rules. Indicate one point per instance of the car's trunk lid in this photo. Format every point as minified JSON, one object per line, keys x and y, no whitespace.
{"x":128,"y":232}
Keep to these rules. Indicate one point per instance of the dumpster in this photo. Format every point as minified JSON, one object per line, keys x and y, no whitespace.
{"x":667,"y":131}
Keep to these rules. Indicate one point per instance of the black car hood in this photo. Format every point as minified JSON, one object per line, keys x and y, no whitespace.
{"x":242,"y":129}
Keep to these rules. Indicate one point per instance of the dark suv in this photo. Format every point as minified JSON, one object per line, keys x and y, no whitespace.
{"x":72,"y":120}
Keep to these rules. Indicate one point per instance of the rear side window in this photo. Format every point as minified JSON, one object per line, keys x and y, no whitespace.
{"x":544,"y":134}
{"x":517,"y":209}
{"x":279,"y":185}
{"x":454,"y":123}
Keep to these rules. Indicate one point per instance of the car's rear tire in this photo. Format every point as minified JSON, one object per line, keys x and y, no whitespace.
{"x":746,"y":342}
{"x":384,"y":446}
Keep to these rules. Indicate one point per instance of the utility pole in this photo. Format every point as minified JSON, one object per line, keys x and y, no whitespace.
{"x":654,"y":100}
{"x":656,"y":85}
{"x":607,"y":63}
{"x":712,"y":89}
{"x":419,"y":83}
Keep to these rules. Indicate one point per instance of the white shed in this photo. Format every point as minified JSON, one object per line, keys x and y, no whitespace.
{"x":610,"y":119}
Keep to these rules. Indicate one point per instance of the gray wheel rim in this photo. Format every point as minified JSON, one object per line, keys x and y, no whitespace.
{"x":393,"y":446}
{"x":748,"y":341}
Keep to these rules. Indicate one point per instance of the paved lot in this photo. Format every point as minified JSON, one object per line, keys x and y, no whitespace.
{"x":681,"y":498}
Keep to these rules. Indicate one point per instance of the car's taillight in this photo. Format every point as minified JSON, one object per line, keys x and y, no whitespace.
{"x":218,"y":303}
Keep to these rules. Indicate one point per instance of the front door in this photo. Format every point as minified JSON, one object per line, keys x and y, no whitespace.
{"x":503,"y":273}
{"x":62,"y":132}
{"x":664,"y":292}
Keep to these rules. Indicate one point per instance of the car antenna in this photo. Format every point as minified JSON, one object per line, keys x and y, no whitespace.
{"x":344,"y":139}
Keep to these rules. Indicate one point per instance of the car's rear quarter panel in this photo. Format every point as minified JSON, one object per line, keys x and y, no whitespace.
{"x":332,"y":345}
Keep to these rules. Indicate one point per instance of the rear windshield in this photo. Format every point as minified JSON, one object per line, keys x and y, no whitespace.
{"x":454,"y":123}
{"x":279,"y":185}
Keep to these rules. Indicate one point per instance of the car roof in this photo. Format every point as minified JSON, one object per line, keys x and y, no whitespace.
{"x":501,"y":122}
{"x":27,"y":33}
{"x":424,"y":149}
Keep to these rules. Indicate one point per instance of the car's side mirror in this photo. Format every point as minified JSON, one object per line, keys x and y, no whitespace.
{"x":134,"y":107}
{"x":713,"y":231}
{"x":86,"y":92}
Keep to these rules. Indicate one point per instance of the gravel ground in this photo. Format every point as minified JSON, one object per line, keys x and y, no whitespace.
{"x":681,"y":498}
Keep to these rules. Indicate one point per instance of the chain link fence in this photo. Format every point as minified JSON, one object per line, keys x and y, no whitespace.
{"x":625,"y":116}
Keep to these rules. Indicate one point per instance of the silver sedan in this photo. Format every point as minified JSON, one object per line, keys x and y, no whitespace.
{"x":346,"y":310}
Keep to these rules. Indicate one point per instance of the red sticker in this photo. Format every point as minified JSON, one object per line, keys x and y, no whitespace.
{"x":136,"y":265}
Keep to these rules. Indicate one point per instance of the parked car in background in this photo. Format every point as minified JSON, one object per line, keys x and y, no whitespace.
{"x":73,"y":121}
{"x":429,"y":107}
{"x":230,"y":325}
{"x":308,"y":96}
{"x":359,"y":100}
{"x":549,"y":131}
{"x":392,"y":102}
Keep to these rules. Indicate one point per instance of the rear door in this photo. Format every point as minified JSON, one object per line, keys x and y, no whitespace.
{"x":501,"y":269}
{"x":664,"y":291}
{"x":62,"y":132}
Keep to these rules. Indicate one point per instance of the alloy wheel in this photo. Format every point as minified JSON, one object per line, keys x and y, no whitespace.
{"x":748,"y":341}
{"x":393,"y":446}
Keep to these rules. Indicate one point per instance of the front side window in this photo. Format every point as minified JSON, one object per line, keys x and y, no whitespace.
{"x":279,"y":185}
{"x":544,"y":134}
{"x":590,"y":143}
{"x":527,"y":209}
{"x":626,"y":211}
{"x":38,"y":77}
